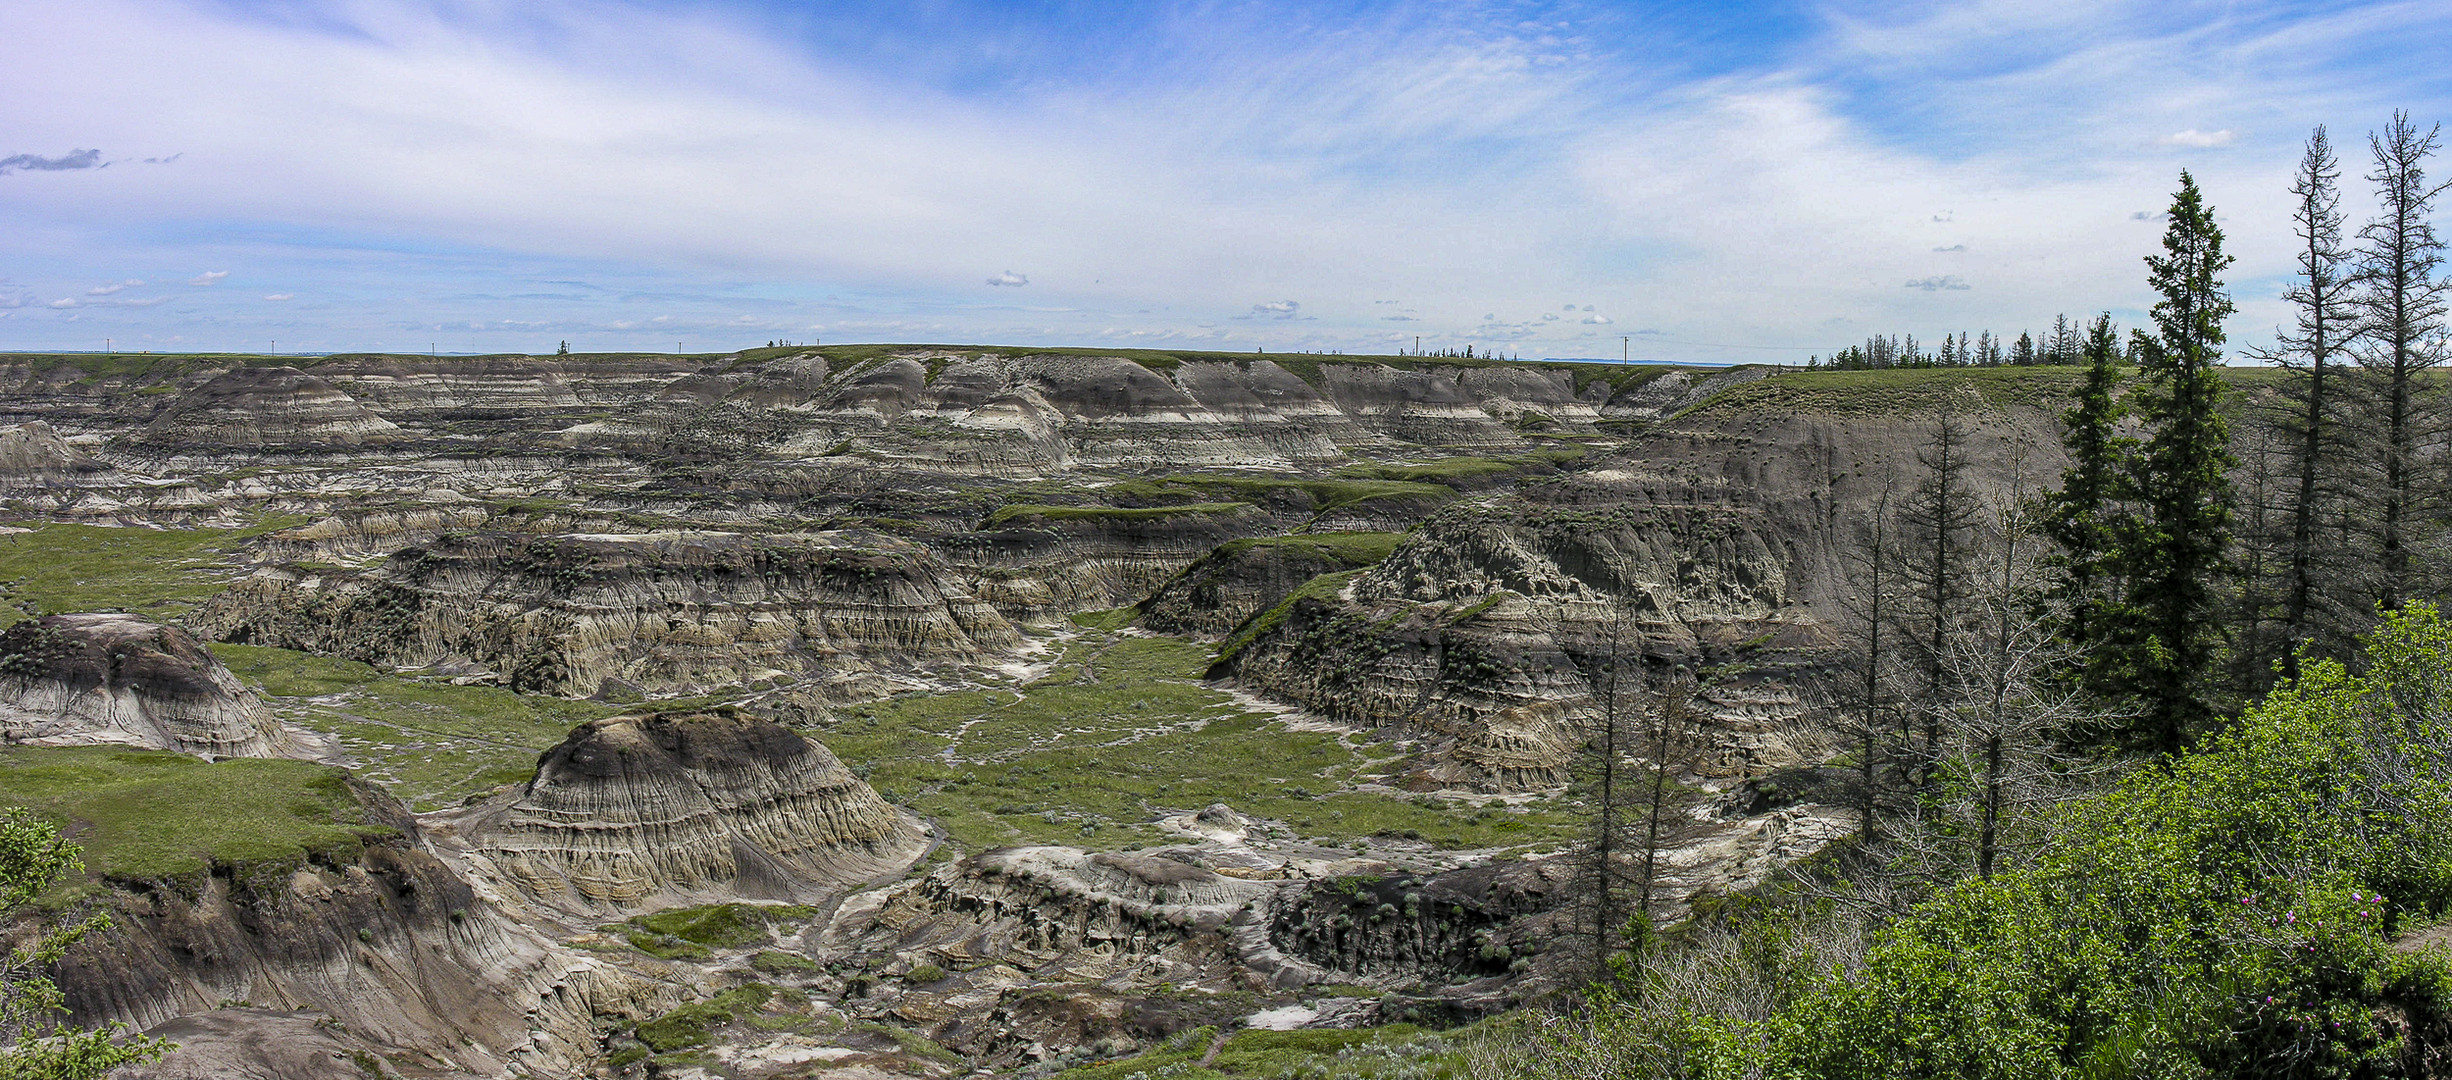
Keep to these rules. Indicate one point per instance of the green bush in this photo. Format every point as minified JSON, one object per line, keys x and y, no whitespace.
{"x":2230,"y":913}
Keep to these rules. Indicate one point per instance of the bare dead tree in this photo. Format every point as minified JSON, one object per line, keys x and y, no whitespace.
{"x":2402,"y":306}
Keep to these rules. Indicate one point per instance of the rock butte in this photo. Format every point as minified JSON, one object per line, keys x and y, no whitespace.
{"x":633,"y":811}
{"x":82,"y":680}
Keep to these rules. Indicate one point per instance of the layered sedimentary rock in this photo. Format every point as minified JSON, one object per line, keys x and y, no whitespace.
{"x":1242,"y":578}
{"x":633,"y":810}
{"x":1486,"y":690}
{"x":1043,"y":564}
{"x":268,"y":407}
{"x":77,"y":680}
{"x":1063,"y":912}
{"x":379,"y":937}
{"x":655,"y":612}
{"x":32,"y":454}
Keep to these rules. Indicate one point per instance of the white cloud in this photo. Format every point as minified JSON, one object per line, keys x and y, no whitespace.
{"x":64,"y":302}
{"x":2200,"y":139}
{"x":209,"y":277}
{"x":1009,"y":278}
{"x":1940,"y":283}
{"x":1596,"y":320}
{"x":1277,"y":309}
{"x":106,"y":290}
{"x":279,"y":296}
{"x":1753,"y":208}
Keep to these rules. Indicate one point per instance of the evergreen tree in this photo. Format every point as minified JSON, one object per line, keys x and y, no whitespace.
{"x":2023,"y":353}
{"x":2178,"y":542}
{"x":2068,"y":343}
{"x":2085,"y":517}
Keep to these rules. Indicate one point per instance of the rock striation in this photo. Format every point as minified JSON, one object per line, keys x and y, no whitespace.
{"x":78,"y":680}
{"x":378,"y":936}
{"x":33,"y":455}
{"x":659,"y":612}
{"x":635,"y":811}
{"x":263,"y":407}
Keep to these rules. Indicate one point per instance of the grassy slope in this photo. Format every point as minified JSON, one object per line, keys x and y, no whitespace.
{"x":433,"y":744}
{"x":158,"y":573}
{"x":149,"y":814}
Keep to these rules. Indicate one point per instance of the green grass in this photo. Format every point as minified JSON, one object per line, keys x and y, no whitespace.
{"x":998,"y":767}
{"x":1392,"y":1052}
{"x":693,"y":1024}
{"x":157,"y":573}
{"x":722,"y":926}
{"x":1455,"y":469}
{"x":1321,"y":587}
{"x":147,"y":815}
{"x":433,"y":744}
{"x":1018,"y":512}
{"x":1329,"y":493}
{"x":1897,"y":391}
{"x":1350,"y":548}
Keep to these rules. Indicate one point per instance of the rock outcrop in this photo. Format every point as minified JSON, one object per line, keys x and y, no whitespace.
{"x":637,"y":811}
{"x":79,"y":680}
{"x":662,"y":612}
{"x":33,"y":455}
{"x":379,"y":937}
{"x":1062,"y":912}
{"x":261,"y":407}
{"x":1243,"y":578}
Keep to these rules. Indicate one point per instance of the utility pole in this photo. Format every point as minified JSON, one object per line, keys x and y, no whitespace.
{"x":276,"y":347}
{"x":106,"y":347}
{"x":1417,"y":344}
{"x":1626,"y":348}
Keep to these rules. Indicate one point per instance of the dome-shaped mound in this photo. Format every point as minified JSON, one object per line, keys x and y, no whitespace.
{"x":630,"y":810}
{"x":74,"y":680}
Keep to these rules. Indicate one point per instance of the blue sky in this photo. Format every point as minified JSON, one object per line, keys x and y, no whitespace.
{"x":1716,"y":182}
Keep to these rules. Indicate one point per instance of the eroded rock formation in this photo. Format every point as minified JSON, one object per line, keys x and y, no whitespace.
{"x":662,"y":612}
{"x":261,"y":407}
{"x":80,"y":680}
{"x":379,"y":937}
{"x":634,"y":811}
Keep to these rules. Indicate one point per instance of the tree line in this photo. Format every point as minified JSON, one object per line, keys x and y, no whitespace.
{"x":2061,"y":346}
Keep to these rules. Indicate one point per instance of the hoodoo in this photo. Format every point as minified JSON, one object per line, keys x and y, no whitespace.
{"x":74,"y":680}
{"x":631,"y":810}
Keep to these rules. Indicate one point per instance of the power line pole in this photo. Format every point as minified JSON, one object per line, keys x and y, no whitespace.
{"x":1626,"y":348}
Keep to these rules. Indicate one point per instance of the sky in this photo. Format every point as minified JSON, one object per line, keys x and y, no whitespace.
{"x":1755,"y":180}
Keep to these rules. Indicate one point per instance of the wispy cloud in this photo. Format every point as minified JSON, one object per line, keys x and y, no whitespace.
{"x":1758,"y":187}
{"x":280,"y":296}
{"x":2200,"y":139}
{"x":75,"y":159}
{"x":116,"y":286}
{"x":209,"y":277}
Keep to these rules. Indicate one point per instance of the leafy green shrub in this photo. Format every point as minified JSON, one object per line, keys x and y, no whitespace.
{"x":2240,"y":911}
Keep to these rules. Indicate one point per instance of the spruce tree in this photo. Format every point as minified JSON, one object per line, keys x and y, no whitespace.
{"x":2178,"y":542}
{"x":2086,"y":516}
